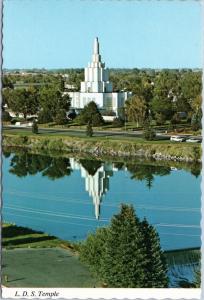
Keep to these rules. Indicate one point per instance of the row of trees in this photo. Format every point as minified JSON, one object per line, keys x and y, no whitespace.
{"x":165,"y":96}
{"x":127,"y":253}
{"x":160,"y":95}
{"x":48,"y":102}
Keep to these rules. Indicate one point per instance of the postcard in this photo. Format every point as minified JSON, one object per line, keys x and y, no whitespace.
{"x":101,"y":149}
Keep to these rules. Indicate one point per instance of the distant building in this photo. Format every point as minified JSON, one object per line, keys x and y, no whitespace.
{"x":97,"y":87}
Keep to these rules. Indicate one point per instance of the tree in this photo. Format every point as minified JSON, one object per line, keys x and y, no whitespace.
{"x":34,"y":127}
{"x":91,"y":251}
{"x":89,"y":130}
{"x":196,"y":121}
{"x":90,"y":114}
{"x":118,"y":122}
{"x":136,"y":110}
{"x":22,"y":100}
{"x":44,"y":116}
{"x":61,"y":117}
{"x":121,"y":254}
{"x":160,"y":118}
{"x":6,"y":116}
{"x":52,"y":100}
{"x":156,"y":267}
{"x":124,"y":257}
{"x":149,"y":133}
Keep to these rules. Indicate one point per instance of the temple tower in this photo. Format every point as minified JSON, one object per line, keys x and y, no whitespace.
{"x":96,"y":76}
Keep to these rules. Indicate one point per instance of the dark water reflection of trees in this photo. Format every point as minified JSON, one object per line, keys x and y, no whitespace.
{"x":23,"y":163}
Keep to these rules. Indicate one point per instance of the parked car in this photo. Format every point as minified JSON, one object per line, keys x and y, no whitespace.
{"x":193,"y":140}
{"x":176,"y":138}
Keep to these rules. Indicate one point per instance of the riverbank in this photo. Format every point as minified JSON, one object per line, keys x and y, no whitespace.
{"x":105,"y":146}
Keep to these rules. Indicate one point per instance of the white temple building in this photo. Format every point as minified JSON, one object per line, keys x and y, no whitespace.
{"x":96,"y":185}
{"x":97,"y":87}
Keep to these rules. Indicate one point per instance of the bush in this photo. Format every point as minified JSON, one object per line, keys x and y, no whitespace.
{"x":61,"y":117}
{"x":160,"y":119}
{"x":6,"y":116}
{"x":89,"y":130}
{"x":118,"y":122}
{"x":196,"y":122}
{"x":35,"y":127}
{"x":45,"y":116}
{"x":175,"y":119}
{"x":149,"y":133}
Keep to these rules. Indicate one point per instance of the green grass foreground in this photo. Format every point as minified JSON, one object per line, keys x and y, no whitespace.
{"x":28,"y":257}
{"x":104,"y":145}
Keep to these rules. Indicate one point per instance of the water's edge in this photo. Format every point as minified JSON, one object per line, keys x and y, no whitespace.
{"x":179,"y":152}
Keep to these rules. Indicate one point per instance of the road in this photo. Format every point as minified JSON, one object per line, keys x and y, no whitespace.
{"x":81,"y":132}
{"x":97,"y":133}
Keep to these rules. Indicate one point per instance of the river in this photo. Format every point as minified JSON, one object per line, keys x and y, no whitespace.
{"x":70,"y":197}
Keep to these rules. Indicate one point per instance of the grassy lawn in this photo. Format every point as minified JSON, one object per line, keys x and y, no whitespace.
{"x":28,"y":257}
{"x":48,"y":267}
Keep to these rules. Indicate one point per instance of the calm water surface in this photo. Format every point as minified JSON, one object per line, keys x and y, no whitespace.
{"x":69,"y":197}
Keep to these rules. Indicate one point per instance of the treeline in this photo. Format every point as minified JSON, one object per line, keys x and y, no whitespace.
{"x":47,"y":100}
{"x":166,"y":95}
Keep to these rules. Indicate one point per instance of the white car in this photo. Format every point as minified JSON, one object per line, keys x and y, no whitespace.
{"x":193,"y":140}
{"x":176,"y":138}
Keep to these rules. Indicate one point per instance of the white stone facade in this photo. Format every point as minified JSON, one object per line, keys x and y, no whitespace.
{"x":97,"y":87}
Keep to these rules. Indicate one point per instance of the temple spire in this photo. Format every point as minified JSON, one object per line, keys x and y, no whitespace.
{"x":96,"y":46}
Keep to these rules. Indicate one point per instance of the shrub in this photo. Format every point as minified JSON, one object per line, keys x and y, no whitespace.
{"x":149,"y":133}
{"x":118,"y":122}
{"x":160,"y":118}
{"x":175,"y":119}
{"x":6,"y":116}
{"x":35,"y":127}
{"x":89,"y":130}
{"x":61,"y":117}
{"x":45,"y":116}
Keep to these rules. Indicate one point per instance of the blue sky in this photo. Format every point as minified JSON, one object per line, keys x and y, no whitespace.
{"x":132,"y":34}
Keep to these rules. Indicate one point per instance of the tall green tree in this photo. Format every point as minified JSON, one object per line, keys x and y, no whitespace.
{"x":22,"y":100}
{"x":124,"y":257}
{"x":136,"y":110}
{"x":90,"y":115}
{"x":127,"y":253}
{"x":155,"y":266}
{"x":52,"y":100}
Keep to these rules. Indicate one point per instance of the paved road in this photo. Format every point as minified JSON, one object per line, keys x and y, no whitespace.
{"x":81,"y":132}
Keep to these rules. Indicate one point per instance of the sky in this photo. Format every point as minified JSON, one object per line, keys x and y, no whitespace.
{"x":132,"y":34}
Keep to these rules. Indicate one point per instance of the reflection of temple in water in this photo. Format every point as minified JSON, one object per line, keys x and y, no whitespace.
{"x":96,"y":184}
